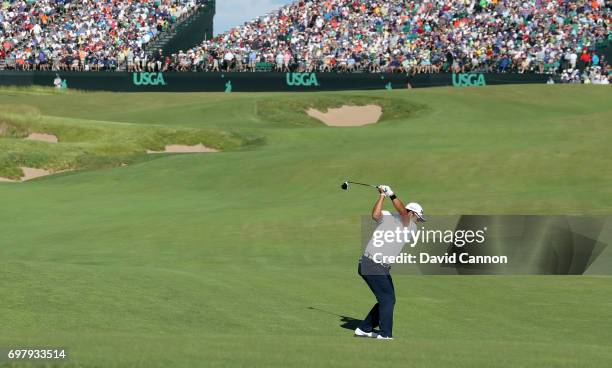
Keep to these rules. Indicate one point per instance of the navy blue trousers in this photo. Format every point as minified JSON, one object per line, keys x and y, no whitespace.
{"x":379,"y":281}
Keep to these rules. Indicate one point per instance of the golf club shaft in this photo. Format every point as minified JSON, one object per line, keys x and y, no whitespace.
{"x":367,"y":185}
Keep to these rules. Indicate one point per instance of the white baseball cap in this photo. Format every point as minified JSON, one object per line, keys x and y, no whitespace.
{"x":416,"y":208}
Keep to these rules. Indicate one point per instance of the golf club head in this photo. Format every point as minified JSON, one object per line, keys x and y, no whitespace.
{"x":344,"y":186}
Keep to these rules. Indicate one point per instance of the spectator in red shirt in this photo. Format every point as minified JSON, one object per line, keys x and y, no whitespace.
{"x":585,"y":58}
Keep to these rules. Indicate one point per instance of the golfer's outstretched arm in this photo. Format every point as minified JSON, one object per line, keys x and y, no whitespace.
{"x":401,"y":209}
{"x":377,"y":210}
{"x":399,"y":206}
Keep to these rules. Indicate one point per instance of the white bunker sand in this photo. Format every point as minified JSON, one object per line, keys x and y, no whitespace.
{"x":348,"y":115}
{"x":28,"y":174}
{"x":42,"y":137}
{"x":178,"y":148}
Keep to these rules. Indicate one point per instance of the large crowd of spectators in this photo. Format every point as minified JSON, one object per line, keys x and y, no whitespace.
{"x":413,"y":36}
{"x":427,"y":36}
{"x":589,"y":75}
{"x":82,"y":34}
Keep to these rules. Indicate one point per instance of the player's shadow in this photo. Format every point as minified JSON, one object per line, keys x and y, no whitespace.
{"x":349,"y":323}
{"x":346,"y":322}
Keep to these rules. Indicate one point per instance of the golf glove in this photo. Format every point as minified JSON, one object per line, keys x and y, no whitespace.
{"x":387,"y":189}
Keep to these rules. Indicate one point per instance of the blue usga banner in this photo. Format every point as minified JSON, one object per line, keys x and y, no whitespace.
{"x":257,"y":81}
{"x":301,"y":79}
{"x":468,"y":80}
{"x":148,"y":79}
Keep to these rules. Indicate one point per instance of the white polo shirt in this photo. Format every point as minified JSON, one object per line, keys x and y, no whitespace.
{"x":382,"y":243}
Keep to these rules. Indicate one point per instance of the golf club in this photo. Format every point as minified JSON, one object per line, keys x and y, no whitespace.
{"x":345,"y":185}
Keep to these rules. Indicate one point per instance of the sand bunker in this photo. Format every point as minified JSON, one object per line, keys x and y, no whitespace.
{"x":32,"y":173}
{"x":42,"y":137}
{"x":348,"y":115}
{"x":177,"y":148}
{"x":29,"y":173}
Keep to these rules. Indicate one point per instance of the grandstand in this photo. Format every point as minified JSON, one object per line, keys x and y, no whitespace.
{"x":97,"y":35}
{"x":419,"y":36}
{"x":396,"y":36}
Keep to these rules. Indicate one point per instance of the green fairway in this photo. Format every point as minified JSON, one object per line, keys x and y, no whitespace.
{"x":248,"y":257}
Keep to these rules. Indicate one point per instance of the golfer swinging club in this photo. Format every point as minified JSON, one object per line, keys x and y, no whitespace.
{"x":375,"y":272}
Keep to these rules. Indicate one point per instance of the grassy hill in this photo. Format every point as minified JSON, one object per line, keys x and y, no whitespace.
{"x":248,"y":257}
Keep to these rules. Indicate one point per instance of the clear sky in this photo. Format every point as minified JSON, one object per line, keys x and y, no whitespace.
{"x":231,"y":13}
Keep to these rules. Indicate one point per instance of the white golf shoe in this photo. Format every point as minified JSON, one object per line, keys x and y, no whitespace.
{"x":360,"y":333}
{"x":381,"y":337}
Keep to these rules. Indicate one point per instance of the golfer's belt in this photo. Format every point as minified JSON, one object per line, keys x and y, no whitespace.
{"x":371,"y":258}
